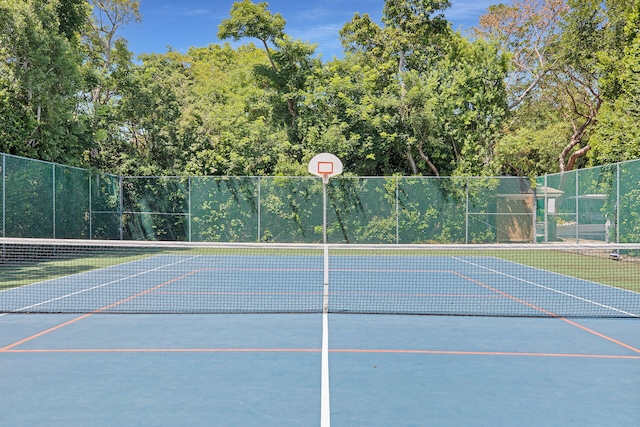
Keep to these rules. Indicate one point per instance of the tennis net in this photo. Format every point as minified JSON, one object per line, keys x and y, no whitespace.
{"x":533,"y":280}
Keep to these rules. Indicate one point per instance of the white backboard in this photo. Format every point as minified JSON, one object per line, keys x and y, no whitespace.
{"x":325,"y":165}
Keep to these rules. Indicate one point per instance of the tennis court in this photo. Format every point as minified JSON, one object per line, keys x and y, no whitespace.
{"x":267,"y":334}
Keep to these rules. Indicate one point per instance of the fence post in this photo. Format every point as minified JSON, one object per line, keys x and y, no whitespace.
{"x":618,"y":203}
{"x":259,"y":203}
{"x":121,"y":208}
{"x":90,"y":176}
{"x":189,"y":207}
{"x":4,"y":195}
{"x":53,"y":204}
{"x":546,"y":208}
{"x":466,"y":210}
{"x":535,"y":212}
{"x":577,"y":206}
{"x":397,"y":210}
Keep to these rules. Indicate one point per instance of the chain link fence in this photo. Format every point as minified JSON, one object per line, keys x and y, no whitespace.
{"x":46,"y":200}
{"x":600,"y":204}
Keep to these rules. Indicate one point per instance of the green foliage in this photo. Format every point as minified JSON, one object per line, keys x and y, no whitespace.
{"x":253,"y":21}
{"x":530,"y":151}
{"x":39,"y":80}
{"x":549,"y":81}
{"x":617,"y":136}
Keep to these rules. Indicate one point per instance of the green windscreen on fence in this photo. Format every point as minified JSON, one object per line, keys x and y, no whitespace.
{"x":155,"y":208}
{"x":224,"y":209}
{"x":28,"y":198}
{"x":629,"y":202}
{"x":106,"y":210}
{"x":72,"y":200}
{"x":44,"y":200}
{"x":599,"y":204}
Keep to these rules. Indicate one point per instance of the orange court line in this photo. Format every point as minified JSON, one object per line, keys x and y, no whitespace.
{"x":486,"y":353}
{"x":317,"y":350}
{"x":591,"y":331}
{"x":84,"y":316}
{"x":39,"y":334}
{"x":542,"y":310}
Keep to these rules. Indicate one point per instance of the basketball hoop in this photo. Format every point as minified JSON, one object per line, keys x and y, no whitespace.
{"x":325,"y":170}
{"x":325,"y":165}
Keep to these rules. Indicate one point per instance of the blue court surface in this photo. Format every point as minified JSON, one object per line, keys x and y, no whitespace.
{"x":296,"y":354}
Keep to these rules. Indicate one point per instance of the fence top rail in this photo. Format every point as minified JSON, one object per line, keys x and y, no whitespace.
{"x":532,"y":179}
{"x":45,"y":162}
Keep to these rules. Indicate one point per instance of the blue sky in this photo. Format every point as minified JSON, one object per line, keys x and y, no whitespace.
{"x":181,"y":24}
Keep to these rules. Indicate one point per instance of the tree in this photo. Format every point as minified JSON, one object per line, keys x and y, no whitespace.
{"x":528,"y":30}
{"x":577,"y":76}
{"x":107,"y":72}
{"x":565,"y":56}
{"x":39,"y":79}
{"x":253,"y":21}
{"x":291,"y":62}
{"x":228,"y":125}
{"x":106,"y":52}
{"x":617,"y":137}
{"x":427,"y":102}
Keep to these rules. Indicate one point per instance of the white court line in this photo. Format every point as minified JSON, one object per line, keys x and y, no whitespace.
{"x":548,"y":288}
{"x":97,"y":286}
{"x":325,"y":417}
{"x":114,"y":266}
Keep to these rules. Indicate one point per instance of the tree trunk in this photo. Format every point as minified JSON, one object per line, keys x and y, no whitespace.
{"x":427,"y":160}
{"x":412,"y":162}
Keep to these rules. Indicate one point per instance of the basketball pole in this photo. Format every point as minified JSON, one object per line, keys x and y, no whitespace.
{"x":325,"y":417}
{"x":325,"y":165}
{"x":325,"y":303}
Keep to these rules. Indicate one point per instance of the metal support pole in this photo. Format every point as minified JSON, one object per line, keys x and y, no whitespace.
{"x":577,"y":208}
{"x":53,"y":194}
{"x":324,"y":212}
{"x":189,"y":207}
{"x":259,"y":203}
{"x":618,"y":203}
{"x":466,"y":211}
{"x":546,"y":209}
{"x":4,"y":195}
{"x":397,"y":210}
{"x":90,"y":208}
{"x":121,"y":208}
{"x":535,"y":215}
